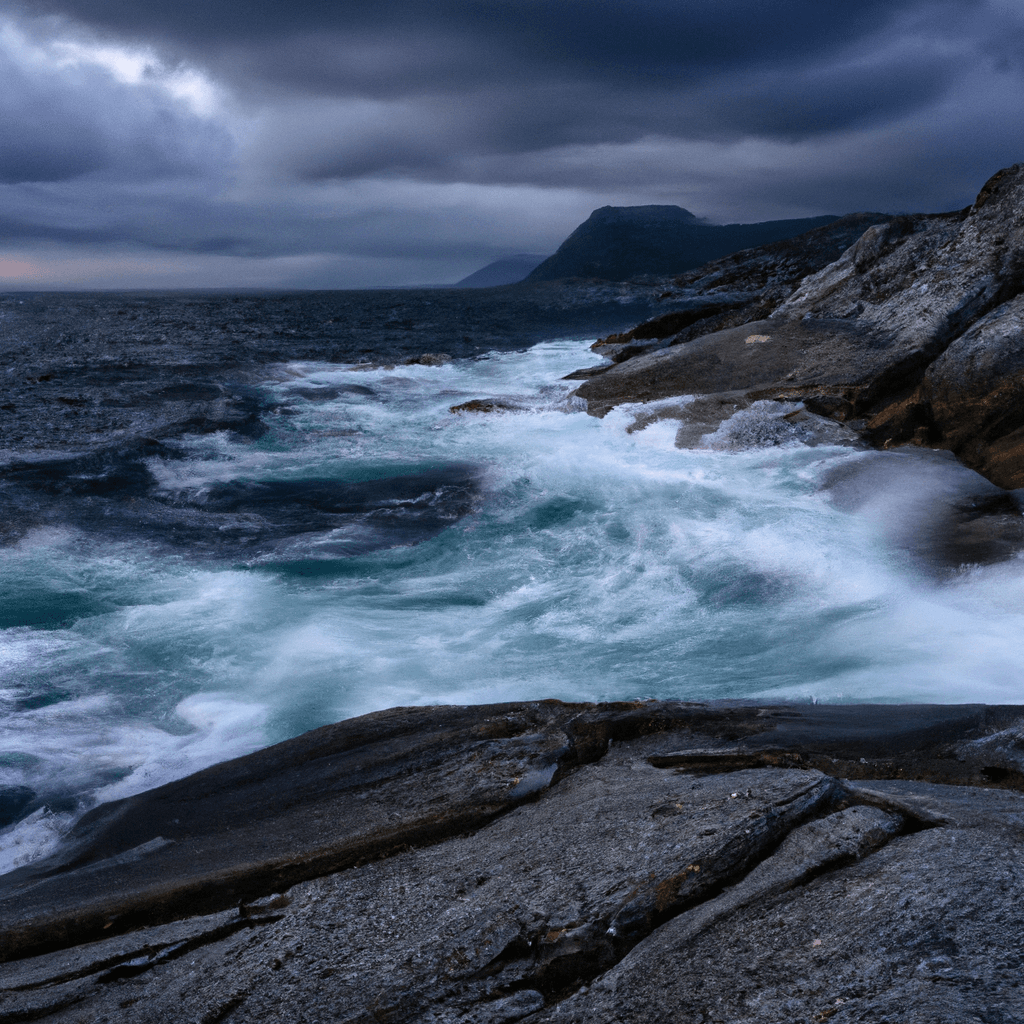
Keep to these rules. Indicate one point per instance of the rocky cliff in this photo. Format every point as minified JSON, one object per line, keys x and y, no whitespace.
{"x":551,"y":862}
{"x":620,"y":242}
{"x":912,"y":336}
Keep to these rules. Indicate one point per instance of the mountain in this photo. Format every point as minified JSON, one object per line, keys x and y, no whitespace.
{"x":510,"y":270}
{"x":617,"y":243}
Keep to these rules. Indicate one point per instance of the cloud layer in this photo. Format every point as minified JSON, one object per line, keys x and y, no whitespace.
{"x":347,"y":145}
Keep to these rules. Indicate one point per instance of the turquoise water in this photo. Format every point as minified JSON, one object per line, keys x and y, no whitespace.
{"x":589,"y":564}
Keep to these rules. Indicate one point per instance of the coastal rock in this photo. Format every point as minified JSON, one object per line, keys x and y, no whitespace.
{"x":784,"y":360}
{"x":971,"y":399}
{"x":929,"y":506}
{"x":559,"y":862}
{"x":767,"y":423}
{"x":744,"y":286}
{"x":912,"y":336}
{"x":661,"y":331}
{"x":429,"y":359}
{"x":486,"y":405}
{"x":914,"y":931}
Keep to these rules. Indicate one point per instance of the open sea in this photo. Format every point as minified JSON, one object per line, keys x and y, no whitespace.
{"x":230,"y":519}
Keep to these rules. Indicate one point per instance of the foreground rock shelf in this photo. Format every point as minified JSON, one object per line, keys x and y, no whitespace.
{"x":557,"y":862}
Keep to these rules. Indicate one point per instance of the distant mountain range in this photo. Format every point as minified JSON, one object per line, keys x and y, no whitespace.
{"x":617,"y":243}
{"x":510,"y":270}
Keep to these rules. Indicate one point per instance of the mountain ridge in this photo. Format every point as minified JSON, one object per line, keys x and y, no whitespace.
{"x":616,"y":243}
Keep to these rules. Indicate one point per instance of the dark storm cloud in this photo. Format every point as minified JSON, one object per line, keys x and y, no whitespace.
{"x":60,"y":123}
{"x":443,"y":139}
{"x":675,"y":39}
{"x":514,"y":76}
{"x":394,"y":129}
{"x":504,"y":78}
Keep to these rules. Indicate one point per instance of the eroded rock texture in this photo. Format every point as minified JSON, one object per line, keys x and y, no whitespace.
{"x":913,"y":335}
{"x":551,"y":862}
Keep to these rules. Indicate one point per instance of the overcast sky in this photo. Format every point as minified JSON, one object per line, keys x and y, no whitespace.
{"x":292,"y":143}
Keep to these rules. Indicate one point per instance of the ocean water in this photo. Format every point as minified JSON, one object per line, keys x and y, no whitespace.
{"x":170,"y":598}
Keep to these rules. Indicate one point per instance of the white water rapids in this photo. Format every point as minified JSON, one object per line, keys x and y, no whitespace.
{"x":595,"y":564}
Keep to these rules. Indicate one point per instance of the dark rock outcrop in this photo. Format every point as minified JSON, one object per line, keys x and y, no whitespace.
{"x":971,"y":399}
{"x":915,"y":330}
{"x":640,"y":862}
{"x":620,"y":242}
{"x":486,"y":405}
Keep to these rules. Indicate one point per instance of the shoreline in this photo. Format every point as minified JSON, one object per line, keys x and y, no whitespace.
{"x":228,"y":855}
{"x":735,"y":860}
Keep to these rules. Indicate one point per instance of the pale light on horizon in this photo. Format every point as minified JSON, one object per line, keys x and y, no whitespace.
{"x":150,"y":143}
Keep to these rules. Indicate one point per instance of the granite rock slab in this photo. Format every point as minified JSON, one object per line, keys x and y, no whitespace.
{"x":546,"y":861}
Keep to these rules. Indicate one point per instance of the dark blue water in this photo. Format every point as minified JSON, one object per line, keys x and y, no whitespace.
{"x":227,"y":520}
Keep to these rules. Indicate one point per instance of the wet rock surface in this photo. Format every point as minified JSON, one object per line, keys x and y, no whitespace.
{"x":928,"y":506}
{"x":736,"y":289}
{"x":544,"y":861}
{"x":486,"y":405}
{"x":911,"y":336}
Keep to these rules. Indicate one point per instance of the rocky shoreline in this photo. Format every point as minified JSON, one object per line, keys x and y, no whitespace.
{"x":556,"y":862}
{"x":911,"y":337}
{"x":648,"y":861}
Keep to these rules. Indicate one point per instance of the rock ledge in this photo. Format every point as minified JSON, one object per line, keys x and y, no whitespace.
{"x":644,"y":861}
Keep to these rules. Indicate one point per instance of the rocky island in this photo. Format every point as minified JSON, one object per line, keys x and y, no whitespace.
{"x":645,"y":861}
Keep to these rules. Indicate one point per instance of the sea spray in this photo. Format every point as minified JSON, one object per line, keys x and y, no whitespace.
{"x":580,"y":561}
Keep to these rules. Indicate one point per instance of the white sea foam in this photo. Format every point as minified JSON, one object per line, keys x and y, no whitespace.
{"x":75,"y":744}
{"x":33,"y":837}
{"x":598,"y":564}
{"x":221,"y":727}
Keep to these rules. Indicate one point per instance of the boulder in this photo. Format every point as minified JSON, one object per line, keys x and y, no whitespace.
{"x":486,"y":405}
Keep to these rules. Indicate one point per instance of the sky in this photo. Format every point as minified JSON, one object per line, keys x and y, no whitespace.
{"x":301,"y":144}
